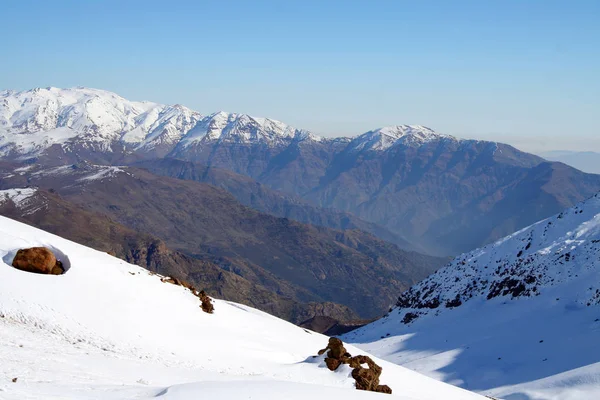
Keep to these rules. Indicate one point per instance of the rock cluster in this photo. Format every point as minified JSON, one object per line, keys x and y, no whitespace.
{"x":207,"y":305}
{"x":366,"y":378}
{"x":39,"y":260}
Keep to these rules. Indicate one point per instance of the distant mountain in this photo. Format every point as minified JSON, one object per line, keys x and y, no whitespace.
{"x":440,"y":194}
{"x":87,"y":121}
{"x":302,"y":262}
{"x":515,"y":319}
{"x":586,"y":161}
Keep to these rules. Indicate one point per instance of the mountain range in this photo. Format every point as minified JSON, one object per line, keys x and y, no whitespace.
{"x":435,"y":193}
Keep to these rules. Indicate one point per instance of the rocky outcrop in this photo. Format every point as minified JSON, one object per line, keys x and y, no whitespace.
{"x":367,"y":378}
{"x":206,"y":305}
{"x":39,"y":260}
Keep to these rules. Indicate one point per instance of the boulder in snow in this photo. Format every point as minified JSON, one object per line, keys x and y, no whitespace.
{"x":39,"y":260}
{"x":365,"y":371}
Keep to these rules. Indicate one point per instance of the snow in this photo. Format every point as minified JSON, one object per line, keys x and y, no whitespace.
{"x":111,"y":330}
{"x":23,"y":170}
{"x":518,"y":319}
{"x":102,"y":173}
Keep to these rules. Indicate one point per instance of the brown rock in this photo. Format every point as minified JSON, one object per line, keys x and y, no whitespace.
{"x":332,"y":363}
{"x":39,"y":260}
{"x":336,"y":348}
{"x":15,"y":380}
{"x":383,"y":389}
{"x":366,"y":379}
{"x":207,"y":305}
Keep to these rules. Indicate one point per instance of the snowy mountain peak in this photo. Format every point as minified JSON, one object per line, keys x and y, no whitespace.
{"x":242,"y":128}
{"x":33,"y":120}
{"x":386,"y":137}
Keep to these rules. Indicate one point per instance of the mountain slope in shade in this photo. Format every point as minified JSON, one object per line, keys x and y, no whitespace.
{"x":518,"y":319}
{"x":262,"y":198}
{"x":110,"y":330}
{"x":450,"y":195}
{"x":303,"y":262}
{"x":49,"y":212}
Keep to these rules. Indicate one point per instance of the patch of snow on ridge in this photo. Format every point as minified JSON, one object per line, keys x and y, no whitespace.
{"x":242,"y":128}
{"x":111,"y":330}
{"x":103,"y":172}
{"x":17,"y":196}
{"x":384,"y":138}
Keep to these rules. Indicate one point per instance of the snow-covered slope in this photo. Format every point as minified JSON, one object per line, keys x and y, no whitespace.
{"x":518,"y":319}
{"x":242,"y":128}
{"x":111,"y":330}
{"x":32,"y":121}
{"x":383,"y":138}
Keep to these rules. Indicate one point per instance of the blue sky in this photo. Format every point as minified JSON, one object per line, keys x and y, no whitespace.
{"x":523,"y":72}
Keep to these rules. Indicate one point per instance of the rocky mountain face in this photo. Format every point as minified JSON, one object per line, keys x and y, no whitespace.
{"x":517,"y":318}
{"x":303,"y":262}
{"x":433,"y":192}
{"x":53,"y":213}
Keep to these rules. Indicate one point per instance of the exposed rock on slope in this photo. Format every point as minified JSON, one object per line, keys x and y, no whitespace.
{"x":365,"y":371}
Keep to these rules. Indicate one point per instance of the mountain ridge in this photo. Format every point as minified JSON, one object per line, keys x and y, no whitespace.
{"x":136,"y":122}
